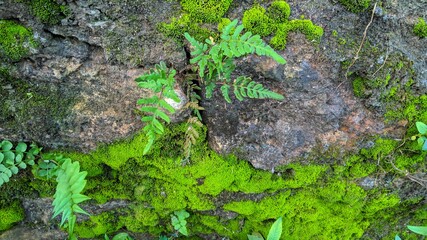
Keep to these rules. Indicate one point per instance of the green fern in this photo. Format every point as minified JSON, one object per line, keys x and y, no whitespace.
{"x":215,"y":62}
{"x":68,"y":194}
{"x":11,"y":160}
{"x":161,"y":81}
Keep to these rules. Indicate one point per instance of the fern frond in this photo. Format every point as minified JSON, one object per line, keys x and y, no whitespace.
{"x":237,"y":45}
{"x":245,"y":87}
{"x":191,"y":135}
{"x":224,"y":90}
{"x":70,"y":183}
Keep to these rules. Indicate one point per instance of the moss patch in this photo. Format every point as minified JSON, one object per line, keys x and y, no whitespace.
{"x":208,"y":11}
{"x":355,"y":6}
{"x":11,"y":214}
{"x":275,"y":19}
{"x":48,"y":11}
{"x":16,"y":40}
{"x":420,"y":29}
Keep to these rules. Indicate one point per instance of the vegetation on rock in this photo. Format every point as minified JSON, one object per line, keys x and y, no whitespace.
{"x":420,"y":29}
{"x":16,"y":41}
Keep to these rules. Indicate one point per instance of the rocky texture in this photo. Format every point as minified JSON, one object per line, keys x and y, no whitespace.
{"x":320,"y":108}
{"x":77,"y":89}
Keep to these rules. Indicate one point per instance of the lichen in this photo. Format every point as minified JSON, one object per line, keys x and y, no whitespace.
{"x":16,"y":40}
{"x":420,"y":28}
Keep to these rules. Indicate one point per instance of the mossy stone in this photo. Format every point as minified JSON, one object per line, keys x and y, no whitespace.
{"x":16,"y":40}
{"x":420,"y":29}
{"x":11,"y":214}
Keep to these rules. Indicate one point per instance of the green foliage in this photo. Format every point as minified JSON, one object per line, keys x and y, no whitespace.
{"x":359,"y":87}
{"x":16,"y":40}
{"x":179,"y":223}
{"x":355,"y":6}
{"x":207,"y":11}
{"x":11,"y":160}
{"x":71,"y":183}
{"x":119,"y":236}
{"x":185,"y":23}
{"x":215,"y":62}
{"x":422,"y":136}
{"x":418,"y":229}
{"x":420,"y":29}
{"x":275,"y":19}
{"x":161,"y":81}
{"x":11,"y":214}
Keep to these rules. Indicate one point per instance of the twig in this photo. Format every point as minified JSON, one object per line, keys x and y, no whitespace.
{"x":385,"y":60}
{"x":363,"y":41}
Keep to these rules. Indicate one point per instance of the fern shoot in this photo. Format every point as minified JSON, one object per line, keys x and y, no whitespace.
{"x":68,"y":194}
{"x":161,"y":81}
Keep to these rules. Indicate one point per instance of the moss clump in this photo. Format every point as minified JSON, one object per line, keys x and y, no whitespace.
{"x":359,"y":87}
{"x":355,"y":6}
{"x":48,"y":11}
{"x":104,"y":223}
{"x":275,"y":19}
{"x":11,"y":214}
{"x":178,"y":26}
{"x":16,"y":40}
{"x":224,"y":22}
{"x":279,"y":11}
{"x":420,"y":29}
{"x":257,"y":21}
{"x":207,"y":11}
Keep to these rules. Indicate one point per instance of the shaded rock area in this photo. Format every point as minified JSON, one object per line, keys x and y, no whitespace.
{"x":77,"y":88}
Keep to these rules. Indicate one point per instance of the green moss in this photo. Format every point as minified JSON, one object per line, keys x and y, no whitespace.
{"x":16,"y":40}
{"x":262,"y":22}
{"x":359,"y":87}
{"x":11,"y":214}
{"x":224,"y":22}
{"x":256,"y":21}
{"x":207,"y":11}
{"x":355,"y":6}
{"x":104,"y":223}
{"x":48,"y":11}
{"x":279,"y":11}
{"x":178,"y":26}
{"x":420,"y":29}
{"x":297,"y":175}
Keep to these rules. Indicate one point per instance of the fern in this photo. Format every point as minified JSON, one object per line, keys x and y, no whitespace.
{"x":11,"y":160}
{"x":68,"y":194}
{"x":215,"y":62}
{"x":191,"y":135}
{"x":161,"y":81}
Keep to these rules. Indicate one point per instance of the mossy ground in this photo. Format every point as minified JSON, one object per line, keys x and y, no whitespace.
{"x":420,"y":29}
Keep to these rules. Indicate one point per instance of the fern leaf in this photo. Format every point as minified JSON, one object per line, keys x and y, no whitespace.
{"x":166,"y":106}
{"x":224,"y":90}
{"x":227,"y":30}
{"x":70,"y":183}
{"x":151,"y":138}
{"x":162,"y":115}
{"x":245,"y":87}
{"x":210,"y":87}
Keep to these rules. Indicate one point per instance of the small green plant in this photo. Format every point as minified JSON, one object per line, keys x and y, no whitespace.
{"x":420,"y":29}
{"x":161,"y":81}
{"x":16,"y":40}
{"x":215,"y":65}
{"x":274,"y":233}
{"x":71,"y":182}
{"x":13,"y":159}
{"x":179,"y":223}
{"x":422,"y":135}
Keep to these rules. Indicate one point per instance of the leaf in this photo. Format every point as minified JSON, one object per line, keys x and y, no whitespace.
{"x":21,"y":147}
{"x":14,"y":170}
{"x":1,"y":157}
{"x":6,"y":145}
{"x":424,"y":148}
{"x":397,"y":237}
{"x":275,"y":230}
{"x":22,"y":165}
{"x":254,"y":237}
{"x":4,"y":177}
{"x":122,"y":236}
{"x":18,"y":157}
{"x":224,"y":91}
{"x":422,"y":127}
{"x":422,"y":230}
{"x":9,"y":157}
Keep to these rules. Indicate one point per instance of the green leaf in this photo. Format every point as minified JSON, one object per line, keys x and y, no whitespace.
{"x":4,"y":177}
{"x":21,"y":147}
{"x":18,"y":157}
{"x":422,"y":127}
{"x":254,"y":237}
{"x":424,"y":148}
{"x":14,"y":170}
{"x":418,"y":229}
{"x":421,"y":141}
{"x":22,"y":165}
{"x":1,"y":157}
{"x":122,"y":236}
{"x":166,"y":106}
{"x":9,"y":157}
{"x":275,"y":230}
{"x":397,"y":237}
{"x":6,"y":145}
{"x":224,"y":91}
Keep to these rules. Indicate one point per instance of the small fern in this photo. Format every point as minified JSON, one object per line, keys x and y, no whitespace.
{"x":215,"y":62}
{"x":161,"y":81}
{"x":13,"y":159}
{"x":68,"y":194}
{"x":191,"y":135}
